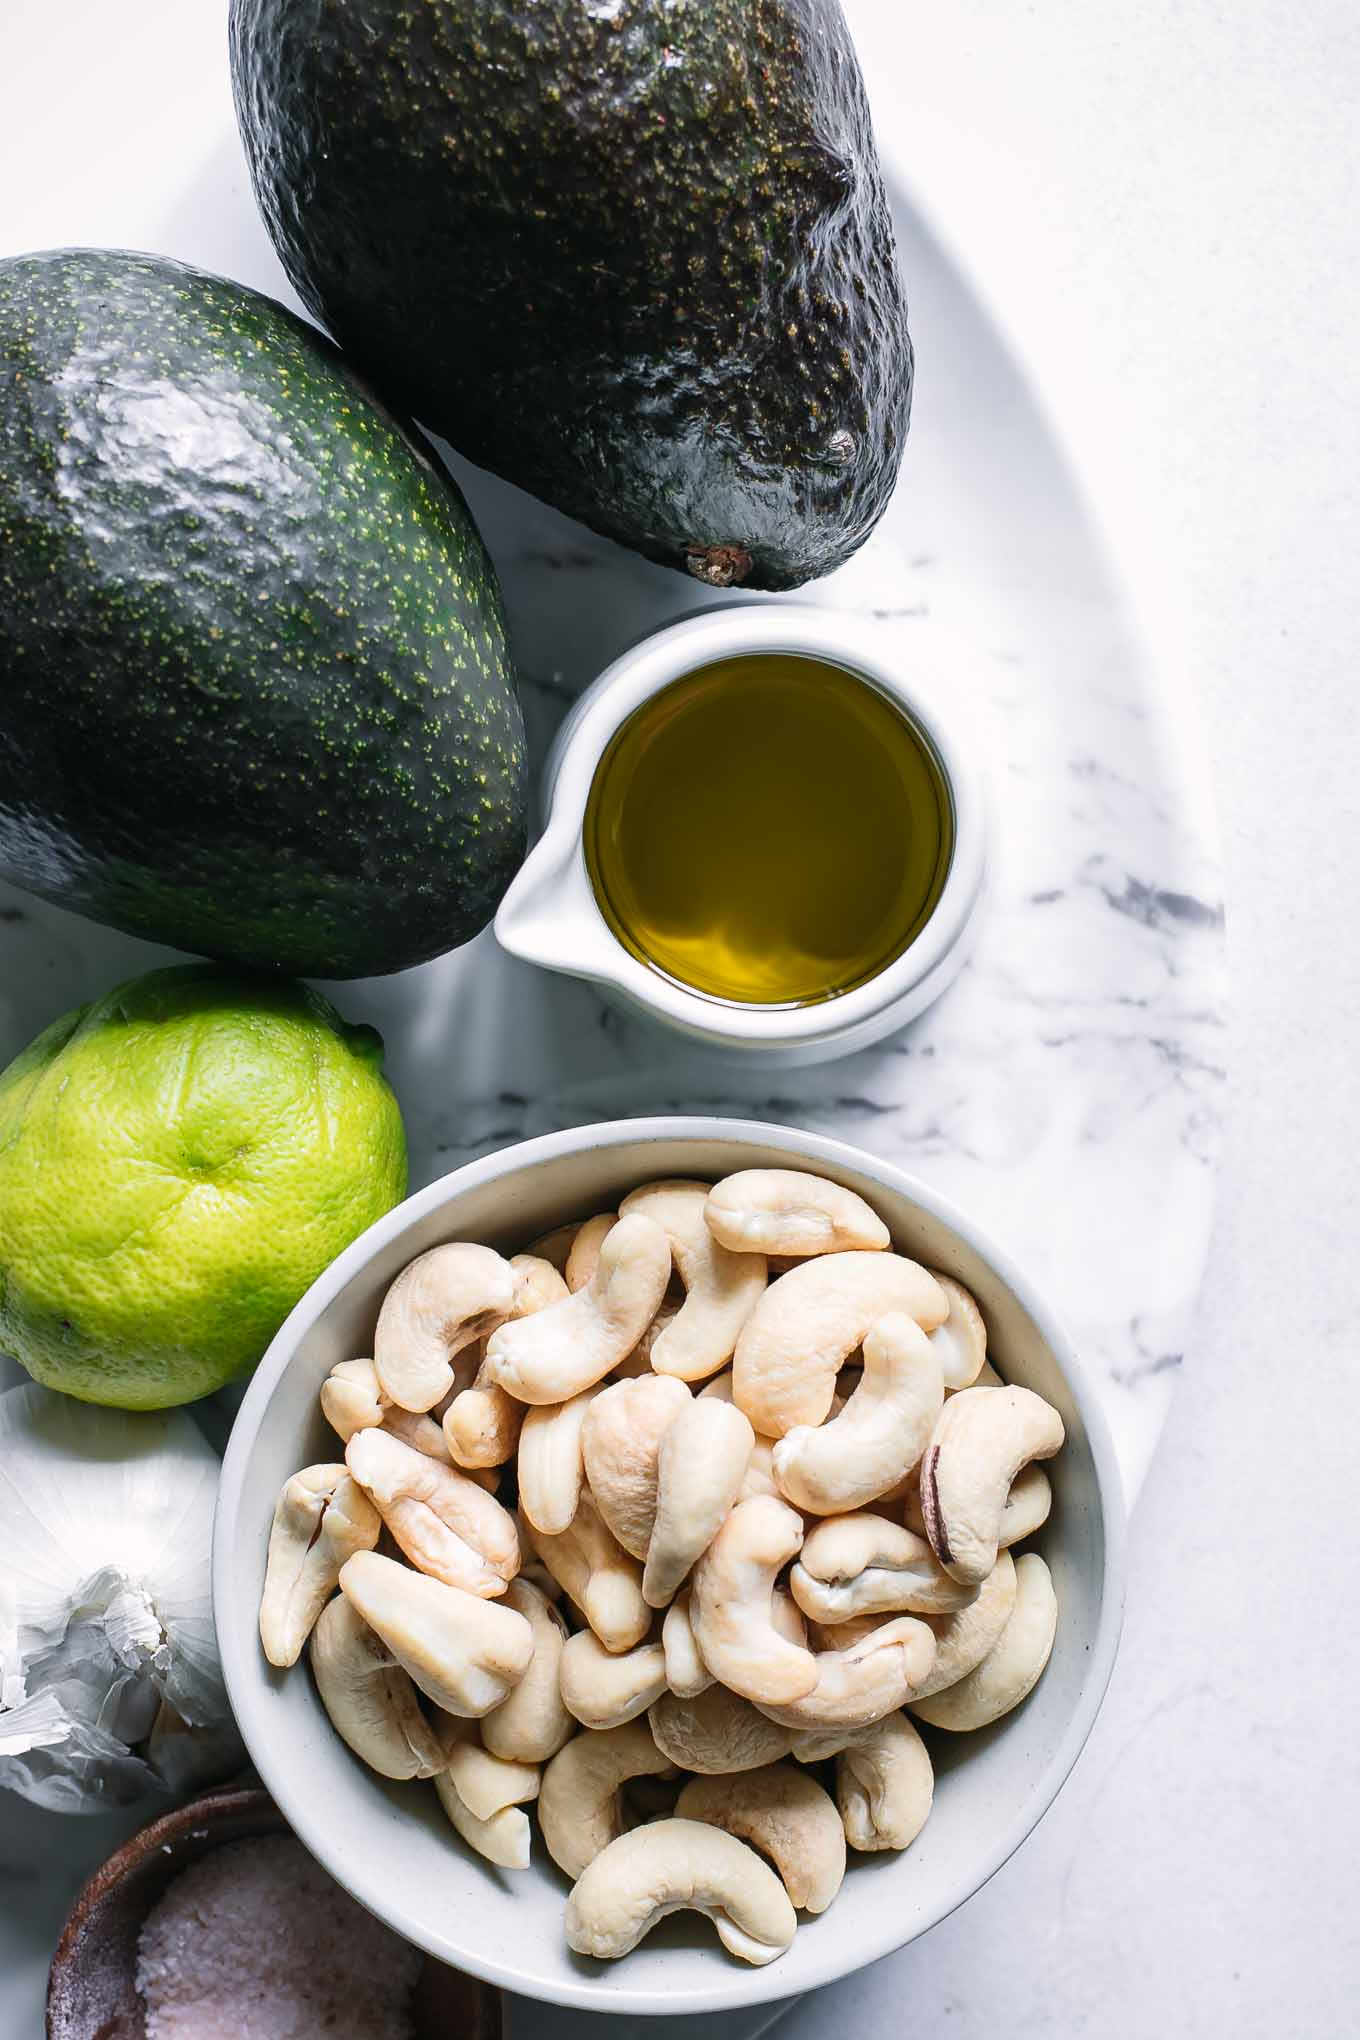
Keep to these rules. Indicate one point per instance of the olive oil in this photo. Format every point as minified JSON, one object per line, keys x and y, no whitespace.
{"x":769,"y":830}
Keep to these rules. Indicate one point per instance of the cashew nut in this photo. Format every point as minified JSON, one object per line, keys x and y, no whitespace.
{"x":620,"y":1441}
{"x":596,"y":1573}
{"x":583,"y":1257}
{"x":699,"y":1471}
{"x":787,"y":1617}
{"x":639,"y":1361}
{"x":485,"y":1783}
{"x":1027,"y":1505}
{"x":963,"y":1640}
{"x":686,"y":1672}
{"x":879,"y":1435}
{"x":466,"y":1366}
{"x":787,"y":1816}
{"x":537,"y":1284}
{"x":631,"y":1369}
{"x":860,"y":1685}
{"x":816,"y":1745}
{"x":732,"y":1604}
{"x":503,"y":1840}
{"x":1012,"y":1666}
{"x":438,"y":1305}
{"x":679,"y":1866}
{"x":808,"y":1323}
{"x":865,"y":1565}
{"x":716,"y":1732}
{"x":421,"y":1433}
{"x":788,"y":1211}
{"x":320,"y":1519}
{"x":532,"y":1724}
{"x":369,"y":1698}
{"x":840,"y":1635}
{"x":550,"y":1464}
{"x":603,"y":1689}
{"x":482,"y":1425}
{"x":580,"y":1807}
{"x":446,"y":1523}
{"x":555,"y":1246}
{"x":884,"y":1786}
{"x":983,"y":1437}
{"x":961,"y":1341}
{"x":721,"y":1289}
{"x":559,"y":1351}
{"x":759,"y":1477}
{"x":352,"y":1400}
{"x":464,"y":1653}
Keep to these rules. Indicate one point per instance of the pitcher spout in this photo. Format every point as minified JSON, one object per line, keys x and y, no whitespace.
{"x":549,"y":917}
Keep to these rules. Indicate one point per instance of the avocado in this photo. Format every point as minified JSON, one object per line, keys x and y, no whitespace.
{"x":255,"y":693}
{"x":634,"y":255}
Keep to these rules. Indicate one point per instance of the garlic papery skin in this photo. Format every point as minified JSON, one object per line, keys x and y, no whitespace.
{"x":110,"y":1685}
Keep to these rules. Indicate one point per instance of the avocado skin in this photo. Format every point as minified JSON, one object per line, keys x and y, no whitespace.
{"x":255,"y":694}
{"x":634,"y":255}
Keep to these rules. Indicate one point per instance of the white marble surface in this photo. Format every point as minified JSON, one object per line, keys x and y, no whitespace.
{"x":1139,"y":1906}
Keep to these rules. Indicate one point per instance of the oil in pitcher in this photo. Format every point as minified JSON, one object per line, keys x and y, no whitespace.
{"x":769,"y":830}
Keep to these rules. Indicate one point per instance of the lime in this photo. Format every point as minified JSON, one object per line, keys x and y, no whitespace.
{"x":177,"y":1163}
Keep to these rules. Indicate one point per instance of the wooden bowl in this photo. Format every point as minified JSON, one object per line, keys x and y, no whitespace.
{"x":91,"y":1992}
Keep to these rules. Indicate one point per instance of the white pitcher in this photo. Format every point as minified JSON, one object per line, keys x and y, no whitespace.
{"x":550,"y":915}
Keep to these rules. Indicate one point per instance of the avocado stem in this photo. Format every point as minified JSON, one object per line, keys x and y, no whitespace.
{"x":718,"y":566}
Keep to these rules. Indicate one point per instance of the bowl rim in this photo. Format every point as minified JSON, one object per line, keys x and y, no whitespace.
{"x":732,"y":1988}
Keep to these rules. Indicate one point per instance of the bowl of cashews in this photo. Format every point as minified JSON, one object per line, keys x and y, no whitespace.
{"x":667,"y":1565}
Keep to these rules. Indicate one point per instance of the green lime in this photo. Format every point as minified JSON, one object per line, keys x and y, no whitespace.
{"x":177,"y":1163}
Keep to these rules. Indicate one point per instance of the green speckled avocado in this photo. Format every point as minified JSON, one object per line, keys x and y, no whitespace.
{"x":255,"y":695}
{"x":634,"y":255}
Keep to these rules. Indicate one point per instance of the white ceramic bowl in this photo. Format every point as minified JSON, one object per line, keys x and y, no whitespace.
{"x":550,"y":915}
{"x":390,"y":1844}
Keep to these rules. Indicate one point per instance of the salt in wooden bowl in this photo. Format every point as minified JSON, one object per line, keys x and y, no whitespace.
{"x":92,"y":1992}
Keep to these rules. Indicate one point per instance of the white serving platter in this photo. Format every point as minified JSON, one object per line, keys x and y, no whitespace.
{"x":1067,"y":1089}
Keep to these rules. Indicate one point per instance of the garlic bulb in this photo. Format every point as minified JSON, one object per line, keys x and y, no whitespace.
{"x":110,"y":1685}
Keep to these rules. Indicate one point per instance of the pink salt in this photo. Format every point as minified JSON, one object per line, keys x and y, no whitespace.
{"x":256,"y":1942}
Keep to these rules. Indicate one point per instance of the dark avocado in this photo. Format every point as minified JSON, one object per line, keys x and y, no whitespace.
{"x":634,"y":255}
{"x":255,"y":695}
